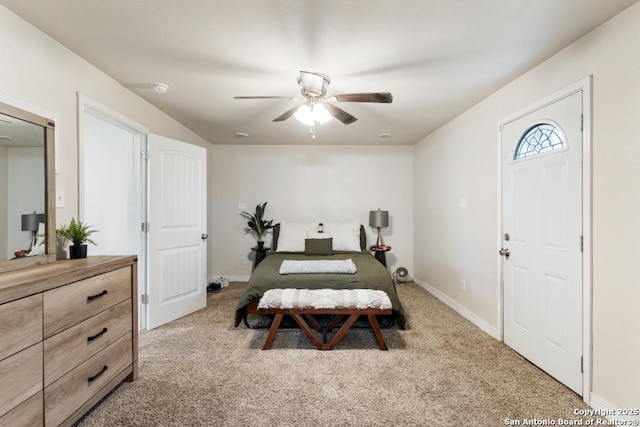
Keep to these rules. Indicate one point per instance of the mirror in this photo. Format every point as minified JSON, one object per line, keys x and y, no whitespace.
{"x":27,"y":189}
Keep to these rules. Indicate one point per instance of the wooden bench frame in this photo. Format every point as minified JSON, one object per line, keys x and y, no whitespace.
{"x":302,"y":315}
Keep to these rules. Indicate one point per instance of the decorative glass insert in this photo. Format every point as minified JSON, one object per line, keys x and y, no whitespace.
{"x":538,"y":139}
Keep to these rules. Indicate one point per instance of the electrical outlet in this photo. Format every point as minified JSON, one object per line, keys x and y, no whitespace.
{"x":242,"y":205}
{"x":463,"y":285}
{"x":243,"y":260}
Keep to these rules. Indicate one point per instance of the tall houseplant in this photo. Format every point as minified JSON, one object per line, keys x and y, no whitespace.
{"x":79,"y":234}
{"x":257,"y":223}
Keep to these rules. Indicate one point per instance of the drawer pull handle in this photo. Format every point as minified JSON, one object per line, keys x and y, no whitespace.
{"x":95,"y":297}
{"x":104,"y":330}
{"x":96,"y":376}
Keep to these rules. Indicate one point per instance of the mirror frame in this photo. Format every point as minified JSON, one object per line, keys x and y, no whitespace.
{"x":50,"y":190}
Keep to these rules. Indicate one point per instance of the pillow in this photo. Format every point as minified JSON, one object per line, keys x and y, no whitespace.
{"x":318,"y":246}
{"x":292,"y":236}
{"x":346,"y":235}
{"x":317,"y":235}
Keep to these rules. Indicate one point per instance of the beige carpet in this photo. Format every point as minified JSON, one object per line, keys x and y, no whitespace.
{"x":442,"y":371}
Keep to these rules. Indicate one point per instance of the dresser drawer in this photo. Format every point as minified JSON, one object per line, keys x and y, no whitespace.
{"x":71,"y":391}
{"x":20,"y":324}
{"x":73,"y":303}
{"x":69,"y":348}
{"x":28,"y":414}
{"x":20,"y":377}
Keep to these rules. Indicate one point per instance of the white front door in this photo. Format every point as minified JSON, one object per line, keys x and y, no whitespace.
{"x":542,"y":231}
{"x":177,"y":229}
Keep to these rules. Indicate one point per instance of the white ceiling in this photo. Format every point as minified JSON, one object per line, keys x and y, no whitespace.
{"x":437,"y":57}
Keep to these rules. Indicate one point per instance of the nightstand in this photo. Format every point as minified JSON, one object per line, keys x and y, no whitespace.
{"x":261,"y":253}
{"x":380,"y":253}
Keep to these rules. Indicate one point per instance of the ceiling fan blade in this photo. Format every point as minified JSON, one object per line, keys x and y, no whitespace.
{"x":340,"y":114}
{"x":284,"y":116}
{"x":265,"y":97}
{"x":379,"y":97}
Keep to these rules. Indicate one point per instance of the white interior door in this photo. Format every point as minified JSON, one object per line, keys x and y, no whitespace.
{"x":542,"y":230}
{"x":177,"y":229}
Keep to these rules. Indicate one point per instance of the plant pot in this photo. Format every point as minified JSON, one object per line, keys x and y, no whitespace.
{"x":260,"y":245}
{"x":77,"y":252}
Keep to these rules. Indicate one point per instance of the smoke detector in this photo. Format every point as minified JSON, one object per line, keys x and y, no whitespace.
{"x":160,"y":87}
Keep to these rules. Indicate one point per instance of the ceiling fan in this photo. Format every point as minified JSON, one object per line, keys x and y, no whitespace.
{"x":317,"y":107}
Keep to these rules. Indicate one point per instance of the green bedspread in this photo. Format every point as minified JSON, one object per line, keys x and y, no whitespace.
{"x":371,"y":275}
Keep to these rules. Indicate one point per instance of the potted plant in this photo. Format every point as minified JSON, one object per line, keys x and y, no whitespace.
{"x":257,"y":223}
{"x":79,"y":234}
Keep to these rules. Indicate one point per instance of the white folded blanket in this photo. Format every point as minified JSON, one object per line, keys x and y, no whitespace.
{"x":341,"y":266}
{"x":325,"y":298}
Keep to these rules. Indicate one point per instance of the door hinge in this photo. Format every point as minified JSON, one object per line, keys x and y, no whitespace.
{"x":144,"y":154}
{"x":582,"y":364}
{"x":145,"y":227}
{"x":581,"y":243}
{"x":581,"y":122}
{"x":144,"y":299}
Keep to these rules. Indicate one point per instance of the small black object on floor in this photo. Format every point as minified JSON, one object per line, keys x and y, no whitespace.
{"x":214,"y":287}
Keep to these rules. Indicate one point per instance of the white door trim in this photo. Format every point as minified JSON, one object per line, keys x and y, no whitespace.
{"x":90,"y":106}
{"x":583,"y":86}
{"x":87,"y":104}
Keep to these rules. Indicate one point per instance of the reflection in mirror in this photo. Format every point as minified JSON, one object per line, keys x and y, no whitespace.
{"x":25,"y":185}
{"x":22,"y":188}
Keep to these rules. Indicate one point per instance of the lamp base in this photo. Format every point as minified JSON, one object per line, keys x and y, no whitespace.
{"x":379,"y":243}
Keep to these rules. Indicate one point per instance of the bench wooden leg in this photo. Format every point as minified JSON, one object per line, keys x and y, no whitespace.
{"x":377,"y":332}
{"x":334,"y":322}
{"x":272,"y":331}
{"x":307,"y":330}
{"x":314,"y":323}
{"x":341,"y":332}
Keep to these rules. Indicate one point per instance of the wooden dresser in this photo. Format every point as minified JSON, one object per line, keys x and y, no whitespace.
{"x":68,"y":336}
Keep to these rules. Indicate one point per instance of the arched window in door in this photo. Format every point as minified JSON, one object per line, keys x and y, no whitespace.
{"x":539,"y":139}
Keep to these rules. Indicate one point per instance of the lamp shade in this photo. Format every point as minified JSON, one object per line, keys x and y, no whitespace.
{"x":379,"y":218}
{"x":31,"y":221}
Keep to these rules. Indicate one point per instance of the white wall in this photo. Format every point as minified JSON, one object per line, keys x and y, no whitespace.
{"x":461,"y":160}
{"x":46,"y":74}
{"x":308,"y":183}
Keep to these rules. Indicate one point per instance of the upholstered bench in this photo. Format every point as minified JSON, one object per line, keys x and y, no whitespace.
{"x":304,"y":304}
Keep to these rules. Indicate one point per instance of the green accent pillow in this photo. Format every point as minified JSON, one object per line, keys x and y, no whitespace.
{"x":318,"y":246}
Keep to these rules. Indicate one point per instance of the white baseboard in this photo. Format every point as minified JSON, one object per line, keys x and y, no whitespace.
{"x":460,"y":309}
{"x":229,"y":277}
{"x":610,"y":411}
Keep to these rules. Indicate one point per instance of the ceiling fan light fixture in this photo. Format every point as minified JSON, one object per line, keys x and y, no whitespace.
{"x":311,"y":114}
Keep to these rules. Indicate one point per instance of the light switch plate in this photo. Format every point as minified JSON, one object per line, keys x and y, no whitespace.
{"x":60,"y":199}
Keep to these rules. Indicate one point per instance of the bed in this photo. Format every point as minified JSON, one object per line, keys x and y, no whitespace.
{"x":370,"y":274}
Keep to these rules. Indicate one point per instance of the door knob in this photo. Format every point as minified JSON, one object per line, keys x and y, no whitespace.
{"x":504,"y":252}
{"x":204,"y":236}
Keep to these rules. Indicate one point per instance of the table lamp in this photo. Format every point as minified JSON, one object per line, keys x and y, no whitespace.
{"x":379,"y":219}
{"x":30,"y":222}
